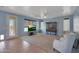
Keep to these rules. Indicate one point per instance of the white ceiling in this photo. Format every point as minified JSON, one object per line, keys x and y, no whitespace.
{"x":40,"y":11}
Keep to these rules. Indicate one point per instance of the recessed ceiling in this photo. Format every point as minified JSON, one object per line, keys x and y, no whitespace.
{"x":40,"y":11}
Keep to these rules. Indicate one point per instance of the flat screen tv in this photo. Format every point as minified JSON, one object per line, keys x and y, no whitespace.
{"x":31,"y":29}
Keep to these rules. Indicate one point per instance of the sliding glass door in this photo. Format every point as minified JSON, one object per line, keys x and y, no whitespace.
{"x":12,"y":26}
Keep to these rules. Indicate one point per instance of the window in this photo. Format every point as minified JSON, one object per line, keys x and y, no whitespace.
{"x":76,"y":24}
{"x":67,"y":25}
{"x":26,"y":29}
{"x":2,"y":37}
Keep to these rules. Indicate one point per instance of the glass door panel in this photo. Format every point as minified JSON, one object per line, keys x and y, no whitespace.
{"x":12,"y":27}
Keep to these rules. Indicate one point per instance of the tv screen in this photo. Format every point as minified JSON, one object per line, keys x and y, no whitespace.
{"x":32,"y":29}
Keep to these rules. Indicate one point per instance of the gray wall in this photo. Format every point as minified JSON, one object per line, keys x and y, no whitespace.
{"x":71,"y":23}
{"x":20,"y":24}
{"x":2,"y":23}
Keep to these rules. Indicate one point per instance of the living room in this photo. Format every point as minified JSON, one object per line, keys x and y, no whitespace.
{"x":38,"y":29}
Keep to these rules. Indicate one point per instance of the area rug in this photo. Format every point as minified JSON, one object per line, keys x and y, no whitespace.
{"x":43,"y":41}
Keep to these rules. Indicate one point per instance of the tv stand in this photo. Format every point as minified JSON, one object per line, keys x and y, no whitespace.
{"x":31,"y":33}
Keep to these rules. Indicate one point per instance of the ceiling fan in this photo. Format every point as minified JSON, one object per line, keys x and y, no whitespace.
{"x":44,"y":14}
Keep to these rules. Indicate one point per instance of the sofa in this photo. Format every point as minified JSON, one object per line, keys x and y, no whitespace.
{"x":65,"y":43}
